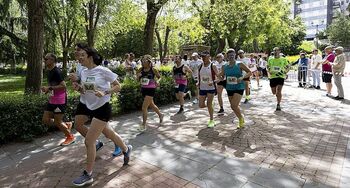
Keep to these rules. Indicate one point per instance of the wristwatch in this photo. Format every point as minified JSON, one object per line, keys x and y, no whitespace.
{"x":50,"y":88}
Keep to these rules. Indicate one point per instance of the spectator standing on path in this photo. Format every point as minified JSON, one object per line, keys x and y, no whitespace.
{"x":81,"y":120}
{"x":246,"y":62}
{"x":179,"y":74}
{"x":95,"y":94}
{"x":219,"y":63}
{"x":338,"y":71}
{"x":327,"y":69}
{"x":316,"y":60}
{"x":207,"y":86}
{"x":55,"y":108}
{"x":277,"y":68}
{"x":194,"y":65}
{"x":147,"y":76}
{"x":129,"y":66}
{"x":302,"y":69}
{"x":232,"y":71}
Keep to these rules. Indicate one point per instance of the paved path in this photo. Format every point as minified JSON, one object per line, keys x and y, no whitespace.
{"x":305,"y":145}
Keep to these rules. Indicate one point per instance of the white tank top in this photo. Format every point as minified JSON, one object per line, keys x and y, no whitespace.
{"x":206,"y":82}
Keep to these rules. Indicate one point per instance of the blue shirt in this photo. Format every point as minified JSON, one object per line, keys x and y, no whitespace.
{"x":232,"y":73}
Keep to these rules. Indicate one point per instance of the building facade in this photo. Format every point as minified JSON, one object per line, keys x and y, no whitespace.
{"x":318,"y":14}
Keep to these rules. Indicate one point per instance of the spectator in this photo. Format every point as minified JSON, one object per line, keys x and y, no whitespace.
{"x":316,"y":60}
{"x":302,"y":69}
{"x":338,"y":71}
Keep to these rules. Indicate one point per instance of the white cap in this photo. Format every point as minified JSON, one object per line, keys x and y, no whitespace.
{"x":194,"y":54}
{"x":339,"y":48}
{"x":240,"y":51}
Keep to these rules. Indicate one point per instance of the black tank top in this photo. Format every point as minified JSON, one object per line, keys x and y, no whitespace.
{"x":149,"y":74}
{"x":178,"y":71}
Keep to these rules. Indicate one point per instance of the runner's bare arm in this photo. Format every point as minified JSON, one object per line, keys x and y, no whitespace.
{"x":246,"y":69}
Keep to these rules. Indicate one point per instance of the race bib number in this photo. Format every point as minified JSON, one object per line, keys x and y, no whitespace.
{"x":90,"y":79}
{"x":231,"y":80}
{"x":89,"y":87}
{"x":276,"y":69}
{"x":144,"y":81}
{"x":205,"y":80}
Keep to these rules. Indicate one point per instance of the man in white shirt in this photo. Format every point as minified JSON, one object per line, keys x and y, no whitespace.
{"x":316,"y":61}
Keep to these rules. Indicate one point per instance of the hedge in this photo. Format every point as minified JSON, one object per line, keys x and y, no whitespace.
{"x":21,"y":117}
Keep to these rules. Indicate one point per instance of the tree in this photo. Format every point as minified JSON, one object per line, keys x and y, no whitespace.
{"x":35,"y":45}
{"x":152,"y":11}
{"x":122,"y":30}
{"x":65,"y":15}
{"x":339,"y":31}
{"x":92,"y":12}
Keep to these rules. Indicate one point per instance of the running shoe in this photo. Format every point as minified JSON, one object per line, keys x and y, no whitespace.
{"x":117,"y":151}
{"x":195,"y":101}
{"x":245,"y":101}
{"x":84,"y":179}
{"x":69,"y":140}
{"x":211,"y":124}
{"x":180,"y":111}
{"x":278,"y":108}
{"x":161,"y":117}
{"x":127,"y":155}
{"x":141,"y":128}
{"x":240,"y":123}
{"x":221,"y":111}
{"x":99,"y":145}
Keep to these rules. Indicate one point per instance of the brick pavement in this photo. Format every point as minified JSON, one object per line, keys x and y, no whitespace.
{"x":304,"y":145}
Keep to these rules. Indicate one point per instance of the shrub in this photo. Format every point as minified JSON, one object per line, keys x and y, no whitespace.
{"x":21,"y":116}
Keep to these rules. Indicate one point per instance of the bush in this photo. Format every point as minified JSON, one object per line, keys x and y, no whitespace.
{"x":21,"y":116}
{"x":18,"y":71}
{"x":120,"y":71}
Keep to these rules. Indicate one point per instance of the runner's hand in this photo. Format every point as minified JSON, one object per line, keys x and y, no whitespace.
{"x":73,"y":77}
{"x":45,"y":89}
{"x":77,"y":87}
{"x":99,"y":93}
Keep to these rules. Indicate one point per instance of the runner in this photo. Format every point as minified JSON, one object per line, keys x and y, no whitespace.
{"x":55,"y":108}
{"x":246,"y":62}
{"x":234,"y":83}
{"x":253,"y":66}
{"x":219,"y":63}
{"x":80,"y":121}
{"x":179,"y":75}
{"x":194,"y":65}
{"x":207,"y":86}
{"x":277,"y":69}
{"x":327,"y":69}
{"x":146,"y":74}
{"x":94,"y":102}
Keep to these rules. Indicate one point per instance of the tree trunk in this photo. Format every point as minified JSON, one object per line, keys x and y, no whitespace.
{"x":255,"y":46}
{"x":35,"y":46}
{"x":149,"y":32}
{"x":160,"y":45}
{"x":221,"y":45}
{"x":167,"y":33}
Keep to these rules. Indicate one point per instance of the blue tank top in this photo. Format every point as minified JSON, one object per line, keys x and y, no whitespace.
{"x":232,"y":73}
